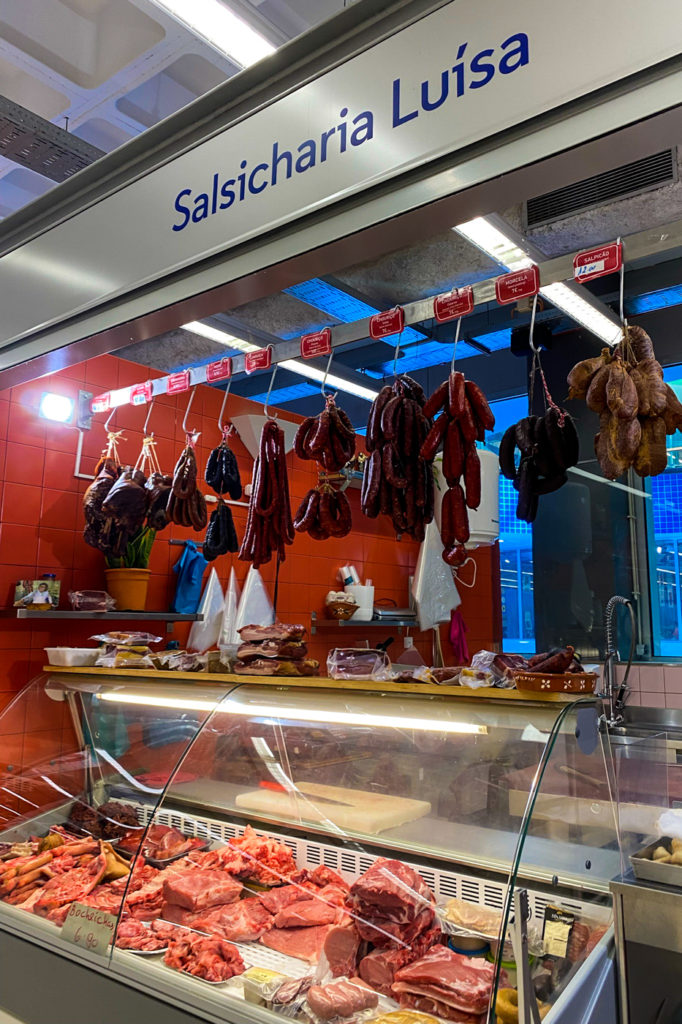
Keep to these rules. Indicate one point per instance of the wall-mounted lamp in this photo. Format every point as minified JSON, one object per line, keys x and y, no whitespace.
{"x":58,"y":408}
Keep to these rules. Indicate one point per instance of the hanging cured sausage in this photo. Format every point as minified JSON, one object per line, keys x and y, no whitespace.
{"x":268,"y":524}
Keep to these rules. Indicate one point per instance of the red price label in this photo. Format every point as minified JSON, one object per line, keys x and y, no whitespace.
{"x":591,"y":263}
{"x":101,"y":403}
{"x":220,"y":370}
{"x":520,"y":284}
{"x":318,"y":344}
{"x":258,"y":360}
{"x":453,"y":305}
{"x":178,"y":382}
{"x":392,"y":321}
{"x":141,"y":393}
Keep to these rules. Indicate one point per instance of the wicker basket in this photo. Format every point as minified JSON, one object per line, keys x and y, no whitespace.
{"x":342,"y":610}
{"x":565,"y":682}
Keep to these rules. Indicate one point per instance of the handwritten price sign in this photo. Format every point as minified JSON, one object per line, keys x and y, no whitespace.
{"x":89,"y":928}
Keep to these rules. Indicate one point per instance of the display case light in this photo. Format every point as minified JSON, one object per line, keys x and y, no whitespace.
{"x":499,"y":241}
{"x":58,"y":408}
{"x":277,"y":713}
{"x":221,"y":28}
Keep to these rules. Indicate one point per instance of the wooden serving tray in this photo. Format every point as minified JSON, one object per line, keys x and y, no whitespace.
{"x":565,"y":682}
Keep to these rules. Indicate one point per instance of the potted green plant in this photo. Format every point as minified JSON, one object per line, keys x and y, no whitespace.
{"x":127,"y":576}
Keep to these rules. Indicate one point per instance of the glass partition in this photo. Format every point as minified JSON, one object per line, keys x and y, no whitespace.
{"x":571,"y":802}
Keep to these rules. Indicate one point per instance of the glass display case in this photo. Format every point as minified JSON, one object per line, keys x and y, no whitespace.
{"x":247,"y":846}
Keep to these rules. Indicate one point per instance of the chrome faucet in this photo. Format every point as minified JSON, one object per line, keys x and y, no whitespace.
{"x":613,"y":695}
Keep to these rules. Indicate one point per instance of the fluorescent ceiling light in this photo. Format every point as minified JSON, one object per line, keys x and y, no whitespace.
{"x":221,"y":28}
{"x":298,"y":366}
{"x":297,"y":714}
{"x":508,"y":251}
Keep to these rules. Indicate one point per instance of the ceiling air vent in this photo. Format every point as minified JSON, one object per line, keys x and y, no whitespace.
{"x":628,"y":180}
{"x":31,"y":141}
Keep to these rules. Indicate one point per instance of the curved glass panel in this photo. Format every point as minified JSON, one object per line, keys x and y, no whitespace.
{"x":90,"y":760}
{"x":571,"y":804}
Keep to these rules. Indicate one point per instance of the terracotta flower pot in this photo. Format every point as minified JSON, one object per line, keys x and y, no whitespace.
{"x":128,"y":587}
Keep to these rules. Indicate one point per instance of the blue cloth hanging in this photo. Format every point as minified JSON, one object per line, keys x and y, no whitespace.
{"x":190,"y":568}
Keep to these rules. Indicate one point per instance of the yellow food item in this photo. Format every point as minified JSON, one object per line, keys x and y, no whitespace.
{"x":117,"y":867}
{"x":405,"y":1017}
{"x":49,"y":842}
{"x":660,"y":853}
{"x":675,"y":845}
{"x":507,"y":1006}
{"x":676,"y":857}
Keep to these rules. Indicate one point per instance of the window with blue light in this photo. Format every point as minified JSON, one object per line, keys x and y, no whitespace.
{"x":516,"y":547}
{"x":665,"y":553}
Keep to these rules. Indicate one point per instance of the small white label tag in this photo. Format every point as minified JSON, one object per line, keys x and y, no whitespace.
{"x":90,"y":928}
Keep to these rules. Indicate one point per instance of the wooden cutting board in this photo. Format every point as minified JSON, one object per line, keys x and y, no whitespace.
{"x":350,"y":809}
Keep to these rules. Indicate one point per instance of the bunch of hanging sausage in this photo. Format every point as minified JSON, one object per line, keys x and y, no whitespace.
{"x":549,"y":446}
{"x":330,"y":440}
{"x":464,"y":418}
{"x":398,"y":479}
{"x":636,"y":407}
{"x":222,"y":474}
{"x":268,"y":522}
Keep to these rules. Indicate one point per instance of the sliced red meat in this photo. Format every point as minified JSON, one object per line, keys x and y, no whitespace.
{"x":460,"y":982}
{"x":284,"y":895}
{"x":379,"y":967}
{"x":243,"y":921}
{"x":133,"y":934}
{"x":278,"y":631}
{"x":204,"y":957}
{"x":176,"y":915}
{"x":341,"y":949}
{"x":198,"y":889}
{"x":340,"y":999}
{"x":302,"y":943}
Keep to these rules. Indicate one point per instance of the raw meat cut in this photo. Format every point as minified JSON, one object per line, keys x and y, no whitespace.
{"x":341,"y":950}
{"x":457,"y":982}
{"x":340,"y":999}
{"x":174,"y":914}
{"x":307,"y":912}
{"x":302,"y":943}
{"x":161,"y":842}
{"x":225,"y":857}
{"x":390,"y":890}
{"x":133,"y":934}
{"x":378,"y":968}
{"x":278,"y":631}
{"x":425,"y":1004}
{"x":269,"y":861}
{"x":391,"y":904}
{"x":283,"y":896}
{"x":325,"y":876}
{"x":71,"y":887}
{"x":243,"y":921}
{"x":204,"y":957}
{"x":289,"y":649}
{"x":196,"y":890}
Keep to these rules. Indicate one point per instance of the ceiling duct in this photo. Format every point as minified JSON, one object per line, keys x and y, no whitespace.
{"x":31,"y":141}
{"x":629,"y":180}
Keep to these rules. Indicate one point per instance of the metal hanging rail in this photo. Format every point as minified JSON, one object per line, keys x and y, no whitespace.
{"x":641,"y":245}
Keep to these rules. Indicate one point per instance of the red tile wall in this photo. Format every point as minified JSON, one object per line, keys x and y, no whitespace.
{"x":41,"y":527}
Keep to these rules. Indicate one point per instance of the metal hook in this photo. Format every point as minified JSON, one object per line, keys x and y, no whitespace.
{"x":622,"y":284}
{"x":221,"y":428}
{"x":532,"y":326}
{"x":270,"y":416}
{"x":396,"y":352}
{"x":326,"y":374}
{"x":189,"y":406}
{"x":454,"y":347}
{"x":110,"y":418}
{"x":146,"y":422}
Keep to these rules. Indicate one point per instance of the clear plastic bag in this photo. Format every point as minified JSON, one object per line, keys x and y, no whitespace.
{"x":229,"y":641}
{"x":125,"y":656}
{"x":205,"y":634}
{"x":91,"y":601}
{"x":117,"y":639}
{"x":433,"y":588}
{"x":358,"y":663}
{"x":476,"y":678}
{"x":255,"y":606}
